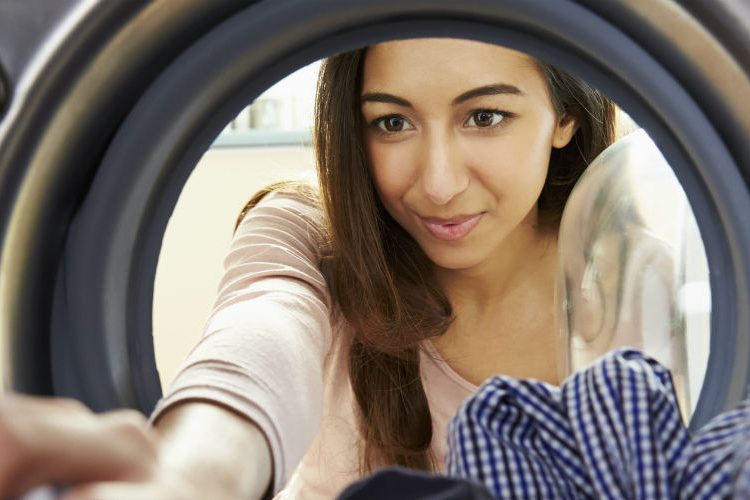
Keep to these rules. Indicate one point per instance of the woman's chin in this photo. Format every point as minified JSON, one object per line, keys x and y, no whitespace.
{"x":454,"y":259}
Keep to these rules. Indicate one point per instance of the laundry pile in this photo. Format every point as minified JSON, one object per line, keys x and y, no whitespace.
{"x":612,"y":430}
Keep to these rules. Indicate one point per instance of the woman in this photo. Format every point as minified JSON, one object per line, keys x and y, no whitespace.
{"x":345,"y":339}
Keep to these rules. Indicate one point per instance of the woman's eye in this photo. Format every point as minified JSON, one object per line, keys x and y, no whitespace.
{"x":391,"y":124}
{"x":485,"y":119}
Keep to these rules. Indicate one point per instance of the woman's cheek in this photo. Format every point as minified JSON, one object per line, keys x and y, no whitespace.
{"x":393,"y":168}
{"x":495,"y":160}
{"x":538,"y":141}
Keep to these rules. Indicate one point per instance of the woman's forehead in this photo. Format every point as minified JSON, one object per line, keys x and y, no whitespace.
{"x":409,"y":66}
{"x":414,"y":62}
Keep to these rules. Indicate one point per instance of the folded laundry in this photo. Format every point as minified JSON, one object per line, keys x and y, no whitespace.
{"x":612,"y":430}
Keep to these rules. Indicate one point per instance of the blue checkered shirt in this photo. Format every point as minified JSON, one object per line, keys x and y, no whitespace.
{"x":611,"y":431}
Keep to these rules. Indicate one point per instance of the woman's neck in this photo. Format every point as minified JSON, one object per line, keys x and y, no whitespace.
{"x":504,"y":317}
{"x":526,"y":260}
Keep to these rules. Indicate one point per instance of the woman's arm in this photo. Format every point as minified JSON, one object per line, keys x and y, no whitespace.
{"x":221,"y":454}
{"x":241,"y":413}
{"x":198,"y":450}
{"x":260,"y":361}
{"x":203,"y":451}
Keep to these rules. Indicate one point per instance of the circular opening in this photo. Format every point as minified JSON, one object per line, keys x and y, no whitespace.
{"x":656,"y":277}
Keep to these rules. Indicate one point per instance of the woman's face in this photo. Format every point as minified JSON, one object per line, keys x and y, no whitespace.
{"x":459,"y":135}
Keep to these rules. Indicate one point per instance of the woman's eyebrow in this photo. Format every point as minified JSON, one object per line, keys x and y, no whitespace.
{"x":485,"y":90}
{"x":493,"y":89}
{"x":383,"y":97}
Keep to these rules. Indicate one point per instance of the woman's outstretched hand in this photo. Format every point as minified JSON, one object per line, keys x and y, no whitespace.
{"x":197,"y":450}
{"x":60,"y":441}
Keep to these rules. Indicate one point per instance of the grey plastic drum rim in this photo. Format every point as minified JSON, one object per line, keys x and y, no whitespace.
{"x":121,"y":284}
{"x":4,"y":91}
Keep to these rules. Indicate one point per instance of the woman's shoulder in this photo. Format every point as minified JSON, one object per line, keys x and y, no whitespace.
{"x":278,"y":244}
{"x":284,"y":220}
{"x":297,"y":198}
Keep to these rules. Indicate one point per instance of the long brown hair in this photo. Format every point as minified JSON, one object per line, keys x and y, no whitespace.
{"x":380,"y":278}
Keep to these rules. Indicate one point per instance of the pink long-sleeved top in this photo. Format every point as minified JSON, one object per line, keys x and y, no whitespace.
{"x":274,"y":351}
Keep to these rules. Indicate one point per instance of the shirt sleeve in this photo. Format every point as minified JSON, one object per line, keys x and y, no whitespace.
{"x":265,"y":342}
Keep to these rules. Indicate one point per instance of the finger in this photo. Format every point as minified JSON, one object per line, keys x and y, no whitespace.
{"x":115,"y":446}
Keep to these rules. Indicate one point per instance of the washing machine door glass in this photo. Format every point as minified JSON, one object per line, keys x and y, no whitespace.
{"x":633,"y":269}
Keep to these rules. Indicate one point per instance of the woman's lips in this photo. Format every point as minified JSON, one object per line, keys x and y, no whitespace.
{"x":451,"y":229}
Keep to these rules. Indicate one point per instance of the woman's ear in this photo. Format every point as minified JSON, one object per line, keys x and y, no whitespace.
{"x":566,"y":128}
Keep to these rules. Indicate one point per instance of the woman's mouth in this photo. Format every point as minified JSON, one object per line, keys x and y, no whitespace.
{"x":451,"y":229}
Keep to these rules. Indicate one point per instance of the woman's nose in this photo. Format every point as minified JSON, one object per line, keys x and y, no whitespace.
{"x":444,"y":174}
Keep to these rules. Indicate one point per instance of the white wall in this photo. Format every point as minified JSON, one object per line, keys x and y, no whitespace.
{"x":198,"y":236}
